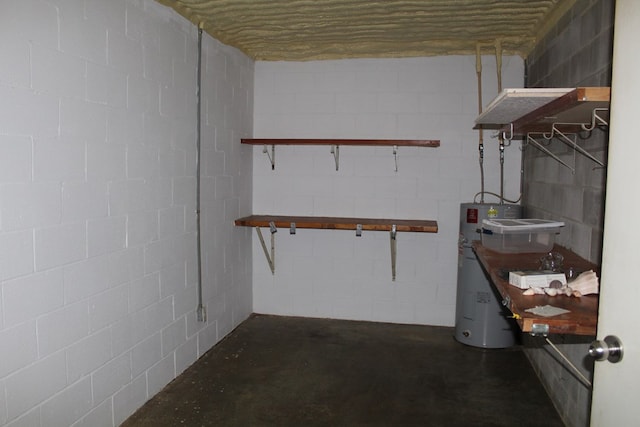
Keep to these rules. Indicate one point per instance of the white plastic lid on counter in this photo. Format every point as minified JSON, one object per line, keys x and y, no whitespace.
{"x":503,"y":226}
{"x":520,"y":235}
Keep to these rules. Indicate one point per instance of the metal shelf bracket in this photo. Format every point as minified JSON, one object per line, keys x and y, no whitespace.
{"x":272,"y":156}
{"x":510,"y":137}
{"x":393,"y":244}
{"x":335,"y":150}
{"x":395,"y":156}
{"x":539,"y":329}
{"x":270,"y":255}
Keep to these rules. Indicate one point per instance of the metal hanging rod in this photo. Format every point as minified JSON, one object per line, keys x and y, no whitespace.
{"x":564,"y":138}
{"x":596,"y":120}
{"x":535,"y":143}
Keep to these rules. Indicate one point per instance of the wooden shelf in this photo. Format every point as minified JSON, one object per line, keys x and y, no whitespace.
{"x":338,"y":223}
{"x":334,"y":223}
{"x":511,"y":104}
{"x":359,"y":142}
{"x":567,"y":112}
{"x":520,"y":111}
{"x":583,"y":315}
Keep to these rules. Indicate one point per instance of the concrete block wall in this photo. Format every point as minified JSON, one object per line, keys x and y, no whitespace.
{"x":576,"y":52}
{"x":97,"y":205}
{"x":322,"y":273}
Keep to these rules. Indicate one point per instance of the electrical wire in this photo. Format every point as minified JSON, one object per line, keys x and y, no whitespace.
{"x":200,"y":310}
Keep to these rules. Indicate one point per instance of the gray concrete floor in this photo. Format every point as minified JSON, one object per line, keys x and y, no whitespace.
{"x":289,"y":371}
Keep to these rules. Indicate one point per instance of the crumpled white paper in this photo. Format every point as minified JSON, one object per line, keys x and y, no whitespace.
{"x":546,"y":310}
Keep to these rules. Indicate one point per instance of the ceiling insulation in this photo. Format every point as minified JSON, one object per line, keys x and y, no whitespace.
{"x":300,"y":30}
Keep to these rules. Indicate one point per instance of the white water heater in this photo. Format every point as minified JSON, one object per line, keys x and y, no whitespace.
{"x":481,"y":319}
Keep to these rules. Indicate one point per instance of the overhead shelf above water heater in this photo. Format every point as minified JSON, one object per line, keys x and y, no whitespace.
{"x":540,"y":114}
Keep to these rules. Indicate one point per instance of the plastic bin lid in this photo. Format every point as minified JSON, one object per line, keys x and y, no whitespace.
{"x":520,"y":225}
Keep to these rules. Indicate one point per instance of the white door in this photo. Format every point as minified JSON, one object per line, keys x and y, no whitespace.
{"x":616,"y":394}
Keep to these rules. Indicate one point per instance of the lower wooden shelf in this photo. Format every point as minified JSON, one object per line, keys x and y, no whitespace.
{"x":583,"y":312}
{"x":339,"y":223}
{"x":273,"y":222}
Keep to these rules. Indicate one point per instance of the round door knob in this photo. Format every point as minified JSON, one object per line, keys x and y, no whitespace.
{"x":608,"y":349}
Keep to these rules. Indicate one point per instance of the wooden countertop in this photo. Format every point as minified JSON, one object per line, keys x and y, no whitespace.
{"x":583,"y":316}
{"x":339,"y":223}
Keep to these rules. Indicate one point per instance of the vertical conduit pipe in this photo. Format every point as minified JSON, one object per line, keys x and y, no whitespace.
{"x":201,"y":312}
{"x":480,"y":133}
{"x":498,"y":46}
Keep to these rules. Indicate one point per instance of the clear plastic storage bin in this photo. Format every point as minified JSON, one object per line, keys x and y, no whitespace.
{"x":519,"y":235}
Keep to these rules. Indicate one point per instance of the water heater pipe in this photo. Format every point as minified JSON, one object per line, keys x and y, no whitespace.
{"x":480,"y":133}
{"x":498,"y":46}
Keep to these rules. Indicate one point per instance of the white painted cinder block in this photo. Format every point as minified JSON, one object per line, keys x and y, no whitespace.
{"x":56,"y":73}
{"x":414,"y":98}
{"x":29,"y":387}
{"x":25,"y":104}
{"x":16,"y":154}
{"x":60,"y":245}
{"x":17,"y":71}
{"x":43,"y":292}
{"x":30,"y":205}
{"x":160,"y":374}
{"x":87,"y":355}
{"x":3,"y":404}
{"x":19,"y":347}
{"x":16,"y":254}
{"x":129,"y":398}
{"x":100,"y":415}
{"x":69,"y":405}
{"x":173,"y":336}
{"x":97,"y":205}
{"x":108,"y":307}
{"x":93,"y":43}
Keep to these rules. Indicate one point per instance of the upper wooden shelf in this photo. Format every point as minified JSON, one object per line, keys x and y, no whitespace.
{"x":521,"y":111}
{"x":583,"y":312}
{"x":339,"y":223}
{"x":361,"y":142}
